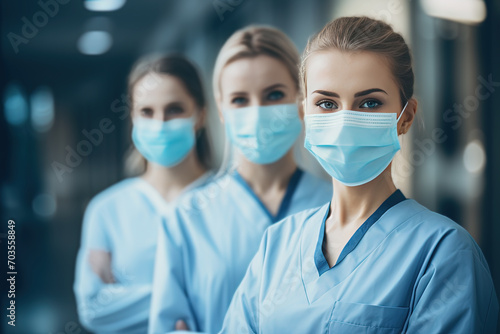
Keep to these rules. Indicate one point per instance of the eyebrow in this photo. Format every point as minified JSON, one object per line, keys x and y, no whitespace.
{"x":238,"y":93}
{"x":278,"y":85}
{"x":327,"y":93}
{"x":362,"y":93}
{"x":168,"y":105}
{"x":368,"y":91}
{"x":174,"y":104}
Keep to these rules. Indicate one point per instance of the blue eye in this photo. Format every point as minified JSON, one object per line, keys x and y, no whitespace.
{"x":371,"y":104}
{"x":175,"y":110}
{"x":327,"y":105}
{"x":239,"y":100}
{"x":275,"y":95}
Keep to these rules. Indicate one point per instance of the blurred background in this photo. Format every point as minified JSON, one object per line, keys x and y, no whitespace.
{"x":64,"y":67}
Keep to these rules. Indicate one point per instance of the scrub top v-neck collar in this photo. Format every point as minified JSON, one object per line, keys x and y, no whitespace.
{"x":319,"y":257}
{"x":317,"y":277}
{"x":285,"y":202}
{"x":158,"y":201}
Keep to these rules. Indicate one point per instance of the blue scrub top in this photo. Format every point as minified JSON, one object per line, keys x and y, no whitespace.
{"x":209,"y":241}
{"x":123,"y":220}
{"x":406,"y":269}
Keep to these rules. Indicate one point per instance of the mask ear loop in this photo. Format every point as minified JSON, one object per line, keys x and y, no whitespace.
{"x":397,"y":120}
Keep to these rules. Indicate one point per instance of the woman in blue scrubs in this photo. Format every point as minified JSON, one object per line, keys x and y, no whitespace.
{"x":114,"y":270}
{"x":205,"y":248}
{"x":371,"y":260}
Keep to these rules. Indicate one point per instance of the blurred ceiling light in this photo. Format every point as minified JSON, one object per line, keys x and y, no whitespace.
{"x":103,"y":5}
{"x":42,"y":109}
{"x":474,"y":157}
{"x":464,"y":11}
{"x":95,"y":42}
{"x":15,"y":105}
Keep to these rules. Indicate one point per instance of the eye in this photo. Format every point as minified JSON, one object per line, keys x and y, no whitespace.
{"x":326,"y":105}
{"x":371,"y":104}
{"x":146,"y":112}
{"x":174,"y":110}
{"x":239,"y":100}
{"x":275,"y":95}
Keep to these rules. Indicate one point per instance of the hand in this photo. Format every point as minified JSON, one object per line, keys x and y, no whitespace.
{"x":180,"y":325}
{"x":100,"y":262}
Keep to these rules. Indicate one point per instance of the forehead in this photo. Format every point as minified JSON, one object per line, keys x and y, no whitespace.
{"x":346,"y":72}
{"x":260,"y":71}
{"x":158,"y":86}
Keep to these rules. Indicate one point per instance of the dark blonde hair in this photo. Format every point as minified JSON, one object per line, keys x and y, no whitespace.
{"x":181,"y":68}
{"x":253,"y":41}
{"x":354,"y":34}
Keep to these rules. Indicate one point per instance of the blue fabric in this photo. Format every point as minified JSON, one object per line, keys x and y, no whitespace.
{"x":209,"y":241}
{"x":263,"y":134}
{"x":354,"y":147}
{"x":165,"y":143}
{"x":319,"y":257}
{"x":285,"y":204}
{"x":123,"y":220}
{"x":413,"y":271}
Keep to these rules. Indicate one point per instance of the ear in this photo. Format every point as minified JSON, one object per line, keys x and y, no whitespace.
{"x":218,"y":101}
{"x":409,"y":116}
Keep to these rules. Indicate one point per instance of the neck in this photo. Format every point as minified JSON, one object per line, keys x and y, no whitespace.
{"x":356,"y":204}
{"x":263,"y":177}
{"x":170,"y":181}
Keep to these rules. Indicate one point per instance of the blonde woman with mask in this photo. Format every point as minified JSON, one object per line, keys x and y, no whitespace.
{"x":202,"y":259}
{"x":370,"y":260}
{"x":114,"y":270}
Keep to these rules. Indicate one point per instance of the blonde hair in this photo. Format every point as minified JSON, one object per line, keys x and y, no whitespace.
{"x":253,"y":41}
{"x":365,"y":34}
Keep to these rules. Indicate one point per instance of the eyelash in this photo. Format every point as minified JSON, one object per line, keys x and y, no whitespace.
{"x":273,"y":93}
{"x":319,"y":103}
{"x":175,"y":110}
{"x":243,"y":100}
{"x":146,"y":112}
{"x":379,"y":104}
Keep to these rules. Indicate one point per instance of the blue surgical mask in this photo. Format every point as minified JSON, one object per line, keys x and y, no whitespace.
{"x":263,"y":134}
{"x":165,"y":143}
{"x":353,"y":147}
